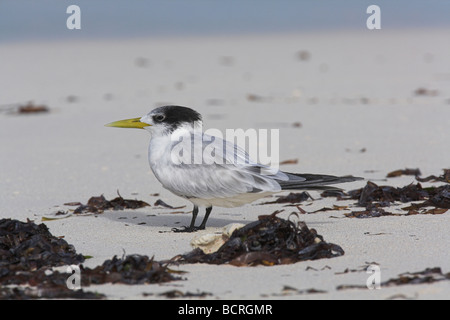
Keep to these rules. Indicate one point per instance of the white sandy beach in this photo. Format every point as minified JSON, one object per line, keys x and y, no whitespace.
{"x":354,"y":97}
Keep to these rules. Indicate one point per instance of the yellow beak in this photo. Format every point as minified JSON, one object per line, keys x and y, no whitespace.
{"x":128,"y":123}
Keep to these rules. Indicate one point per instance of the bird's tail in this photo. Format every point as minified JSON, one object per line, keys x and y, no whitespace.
{"x":306,"y":181}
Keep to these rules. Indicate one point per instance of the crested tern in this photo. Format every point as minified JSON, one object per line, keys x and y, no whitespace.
{"x":226,"y":177}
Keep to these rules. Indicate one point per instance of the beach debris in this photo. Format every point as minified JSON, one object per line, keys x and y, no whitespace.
{"x":53,"y":291}
{"x":131,"y":269}
{"x":362,"y":268}
{"x":438,"y":197}
{"x":268,"y":241}
{"x":404,"y":172}
{"x":362,"y":150}
{"x":211,"y":242}
{"x":413,"y":211}
{"x":28,"y":246}
{"x":429,"y":275}
{"x":339,"y":194}
{"x":32,"y":108}
{"x":304,"y":55}
{"x":100,"y":204}
{"x":425,"y":92}
{"x":28,"y":108}
{"x":444,"y":178}
{"x":388,"y":194}
{"x":161,"y":203}
{"x":29,"y":254}
{"x":291,"y":291}
{"x":60,"y":214}
{"x":257,"y":98}
{"x":171,"y":294}
{"x":334,"y":208}
{"x":292,"y":197}
{"x":372,"y":211}
{"x":374,"y":197}
{"x":288,"y":291}
{"x":290,"y":161}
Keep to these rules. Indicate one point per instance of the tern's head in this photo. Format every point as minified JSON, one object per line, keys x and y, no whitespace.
{"x":163,"y":120}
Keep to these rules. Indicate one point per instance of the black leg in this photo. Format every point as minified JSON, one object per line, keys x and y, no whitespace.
{"x":208,"y":212}
{"x":194,"y":217}
{"x":192,"y":227}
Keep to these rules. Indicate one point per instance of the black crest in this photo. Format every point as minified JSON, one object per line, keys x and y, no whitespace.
{"x":173,"y":116}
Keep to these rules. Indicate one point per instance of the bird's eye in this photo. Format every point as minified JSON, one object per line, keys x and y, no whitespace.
{"x":159,"y":117}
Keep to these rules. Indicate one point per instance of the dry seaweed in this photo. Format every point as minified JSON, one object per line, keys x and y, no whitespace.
{"x":339,"y":194}
{"x":268,"y":241}
{"x":372,"y":211}
{"x":430,"y":211}
{"x":429,"y":275}
{"x":132,"y":269}
{"x":46,"y":292}
{"x":28,"y":252}
{"x":31,"y":108}
{"x":438,"y":197}
{"x":425,"y":92}
{"x":374,"y":197}
{"x":290,"y":161}
{"x":362,"y":268}
{"x":171,"y":294}
{"x":388,"y":194}
{"x":444,"y":178}
{"x":161,"y":203}
{"x":257,"y":98}
{"x":100,"y":204}
{"x":27,"y":246}
{"x":404,"y":172}
{"x":288,"y":290}
{"x":334,"y":208}
{"x":19,"y":109}
{"x":291,"y":198}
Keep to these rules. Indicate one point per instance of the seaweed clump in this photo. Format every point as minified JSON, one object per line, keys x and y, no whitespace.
{"x":100,"y":204}
{"x":29,"y":252}
{"x":429,"y":275}
{"x":27,"y":246}
{"x":132,"y":269}
{"x":268,"y":241}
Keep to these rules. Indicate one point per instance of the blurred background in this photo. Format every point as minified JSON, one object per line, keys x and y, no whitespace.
{"x":347,"y":100}
{"x":45,"y":19}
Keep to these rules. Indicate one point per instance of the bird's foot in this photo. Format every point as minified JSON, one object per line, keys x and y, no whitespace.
{"x":188,"y":229}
